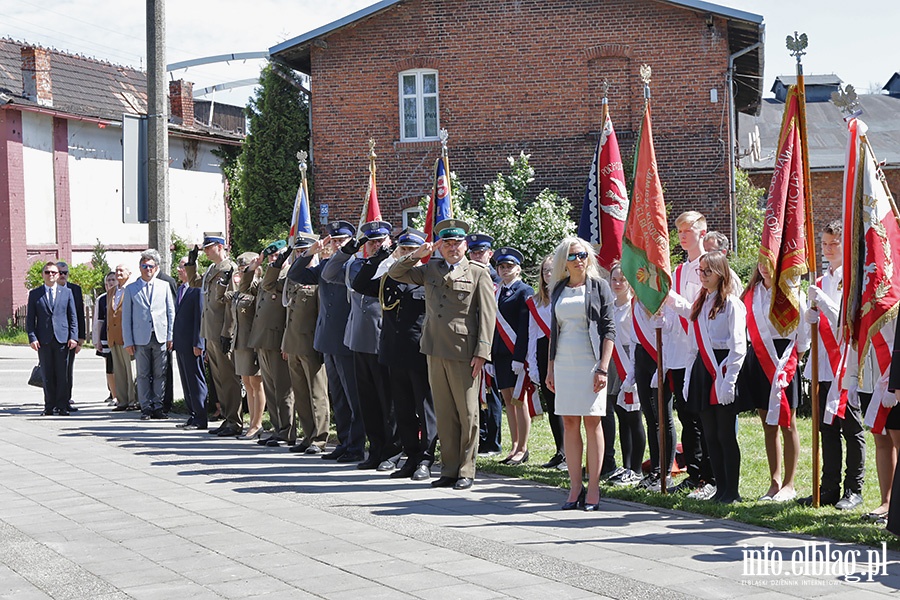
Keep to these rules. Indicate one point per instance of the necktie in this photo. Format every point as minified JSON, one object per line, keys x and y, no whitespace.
{"x":180,"y":293}
{"x":52,"y":298}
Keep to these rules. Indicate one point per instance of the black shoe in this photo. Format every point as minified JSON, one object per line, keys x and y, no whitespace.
{"x":72,"y":408}
{"x":351,"y":457}
{"x":578,"y":502}
{"x":366,"y":465}
{"x":554,"y":462}
{"x":119,"y":409}
{"x":850,"y":501}
{"x":825,"y":499}
{"x":63,"y":413}
{"x":187,"y":423}
{"x":158,"y":414}
{"x":48,"y":413}
{"x":301,"y":447}
{"x":313,"y":450}
{"x":229,"y":432}
{"x":216,"y":430}
{"x":334,"y":454}
{"x":422,"y":472}
{"x":386,"y":465}
{"x":444,"y":482}
{"x":463,"y":483}
{"x":145,"y":416}
{"x":274,"y":442}
{"x":404,"y":472}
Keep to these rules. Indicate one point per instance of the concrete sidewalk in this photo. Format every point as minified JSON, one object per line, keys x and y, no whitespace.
{"x":100,"y":505}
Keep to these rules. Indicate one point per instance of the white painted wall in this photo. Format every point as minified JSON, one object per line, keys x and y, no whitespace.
{"x":37,"y":164}
{"x":197,"y":194}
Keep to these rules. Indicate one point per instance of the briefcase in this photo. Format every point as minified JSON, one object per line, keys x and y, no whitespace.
{"x":37,"y":376}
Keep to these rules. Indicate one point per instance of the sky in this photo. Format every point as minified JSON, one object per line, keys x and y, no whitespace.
{"x":855,"y":41}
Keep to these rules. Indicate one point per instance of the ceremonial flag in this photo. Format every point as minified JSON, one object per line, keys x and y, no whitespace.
{"x":300,"y":219}
{"x":784,"y":245}
{"x":370,"y":209}
{"x":440,"y":205}
{"x":871,"y":245}
{"x":605,"y":198}
{"x":645,"y":251}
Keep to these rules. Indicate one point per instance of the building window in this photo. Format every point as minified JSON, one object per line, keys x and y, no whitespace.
{"x":411,"y":215}
{"x":419,"y":105}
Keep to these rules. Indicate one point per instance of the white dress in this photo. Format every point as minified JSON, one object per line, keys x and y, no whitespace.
{"x":573,"y":368}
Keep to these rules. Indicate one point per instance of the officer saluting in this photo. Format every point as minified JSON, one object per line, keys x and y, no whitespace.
{"x":457,"y":335}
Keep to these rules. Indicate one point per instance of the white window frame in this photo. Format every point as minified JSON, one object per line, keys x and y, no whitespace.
{"x":420,"y":105}
{"x":410,"y":213}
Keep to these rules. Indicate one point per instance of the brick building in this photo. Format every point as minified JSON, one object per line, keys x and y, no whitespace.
{"x":73,"y":163}
{"x":827,"y":135}
{"x":504,"y":76}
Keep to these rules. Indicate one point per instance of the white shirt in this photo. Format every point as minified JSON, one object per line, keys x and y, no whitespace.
{"x":828,"y":304}
{"x":726,"y":332}
{"x":689,"y":290}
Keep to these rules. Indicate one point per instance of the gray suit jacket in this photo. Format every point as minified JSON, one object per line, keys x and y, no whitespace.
{"x":364,"y":326}
{"x":145,"y":312}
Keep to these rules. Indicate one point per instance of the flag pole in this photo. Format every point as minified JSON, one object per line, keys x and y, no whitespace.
{"x":664,"y":467}
{"x":797,"y":45}
{"x":372,"y":169}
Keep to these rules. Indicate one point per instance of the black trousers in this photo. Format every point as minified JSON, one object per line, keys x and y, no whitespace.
{"x":193,"y":384}
{"x":608,"y":424}
{"x":549,"y":398}
{"x":377,"y":410}
{"x":850,"y":428}
{"x":54,"y":358}
{"x":414,"y":408}
{"x":693,"y":442}
{"x":489,"y":419}
{"x":169,"y":390}
{"x":644,"y":368}
{"x":632,"y":438}
{"x":720,"y":430}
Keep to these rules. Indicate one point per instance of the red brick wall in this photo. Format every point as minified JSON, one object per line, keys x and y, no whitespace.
{"x":181,"y":101}
{"x":521,"y":75}
{"x":13,"y":261}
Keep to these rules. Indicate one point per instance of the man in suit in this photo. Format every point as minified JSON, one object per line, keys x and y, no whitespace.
{"x":217,"y":328}
{"x":188,"y":347}
{"x":52,"y":328}
{"x":78,"y":296}
{"x":306,"y":364}
{"x":122,"y":369}
{"x":266,"y":334}
{"x":148,"y":316}
{"x":460,"y":314}
{"x":334,"y":312}
{"x":169,"y":393}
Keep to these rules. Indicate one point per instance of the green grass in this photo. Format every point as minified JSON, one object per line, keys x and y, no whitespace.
{"x":789,"y":516}
{"x":13,"y":336}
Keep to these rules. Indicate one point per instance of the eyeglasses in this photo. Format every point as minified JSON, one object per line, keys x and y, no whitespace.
{"x":63,"y":272}
{"x":577,"y":255}
{"x":148,"y":267}
{"x":704,"y":272}
{"x":51,"y":272}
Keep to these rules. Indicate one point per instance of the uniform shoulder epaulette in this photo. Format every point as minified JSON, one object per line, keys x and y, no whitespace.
{"x":477,"y":264}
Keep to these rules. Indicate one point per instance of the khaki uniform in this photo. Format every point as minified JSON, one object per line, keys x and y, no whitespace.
{"x":243,"y":311}
{"x":122,"y":370}
{"x":460,"y":314}
{"x":307,"y":367}
{"x":216,"y":322}
{"x":266,"y":335}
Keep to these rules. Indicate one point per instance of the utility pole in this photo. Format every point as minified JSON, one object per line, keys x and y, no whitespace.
{"x":157,"y":132}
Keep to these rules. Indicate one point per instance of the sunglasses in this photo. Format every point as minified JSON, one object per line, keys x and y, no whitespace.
{"x":577,"y":256}
{"x":63,"y":272}
{"x":51,"y":272}
{"x":148,"y":267}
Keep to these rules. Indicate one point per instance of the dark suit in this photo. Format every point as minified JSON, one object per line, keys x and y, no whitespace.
{"x":52,"y":326}
{"x":185,"y":338}
{"x":78,"y":296}
{"x":403,"y":310}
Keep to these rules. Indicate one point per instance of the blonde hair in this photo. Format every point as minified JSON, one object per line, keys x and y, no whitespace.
{"x":560,"y":258}
{"x":692,"y":218}
{"x":542,"y":294}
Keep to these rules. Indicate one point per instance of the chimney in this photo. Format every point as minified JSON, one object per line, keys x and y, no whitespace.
{"x":181,"y":100}
{"x":36,"y":75}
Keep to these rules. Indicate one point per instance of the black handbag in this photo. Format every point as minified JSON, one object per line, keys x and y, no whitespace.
{"x":37,"y":376}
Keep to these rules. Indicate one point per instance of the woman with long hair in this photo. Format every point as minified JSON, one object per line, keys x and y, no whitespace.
{"x":718,"y":345}
{"x":772,"y":361}
{"x":582,"y":334}
{"x":538,"y":352}
{"x":98,"y":334}
{"x":508,"y":352}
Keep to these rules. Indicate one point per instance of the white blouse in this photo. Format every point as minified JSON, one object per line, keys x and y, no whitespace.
{"x":728,"y":331}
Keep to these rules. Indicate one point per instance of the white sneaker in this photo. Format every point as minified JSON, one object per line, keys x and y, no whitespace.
{"x":785,"y":495}
{"x":628,"y":479}
{"x":704,"y":492}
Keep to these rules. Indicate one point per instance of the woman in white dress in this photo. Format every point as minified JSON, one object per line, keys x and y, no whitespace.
{"x":582,"y":335}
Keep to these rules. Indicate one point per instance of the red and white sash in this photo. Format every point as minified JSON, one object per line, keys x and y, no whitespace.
{"x":538,"y":318}
{"x":708,"y":356}
{"x":627,"y":400}
{"x":484,"y":387}
{"x":524,"y":388}
{"x":780,"y":371}
{"x":640,"y":334}
{"x":877,"y":414}
{"x":678,"y":270}
{"x":836,"y":402}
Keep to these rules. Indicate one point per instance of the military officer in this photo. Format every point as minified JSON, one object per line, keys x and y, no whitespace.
{"x":334,"y":312}
{"x":362,"y":335}
{"x":460,"y":314}
{"x":266,"y":336}
{"x":306,"y":364}
{"x":481,"y":251}
{"x":216,"y":327}
{"x":403,"y":310}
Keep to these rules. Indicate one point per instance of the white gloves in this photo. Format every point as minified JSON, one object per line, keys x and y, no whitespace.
{"x":489,"y":369}
{"x":812,"y":315}
{"x":889,"y":400}
{"x":813,"y":293}
{"x":517,"y":367}
{"x":726,"y":396}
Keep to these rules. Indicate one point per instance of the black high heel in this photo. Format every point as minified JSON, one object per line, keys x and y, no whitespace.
{"x":591,"y":507}
{"x":578,"y":502}
{"x":521,"y":461}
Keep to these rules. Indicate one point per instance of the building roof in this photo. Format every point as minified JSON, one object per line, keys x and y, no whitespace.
{"x":88,"y":88}
{"x":808,"y":80}
{"x":745,"y":30}
{"x":826,"y":131}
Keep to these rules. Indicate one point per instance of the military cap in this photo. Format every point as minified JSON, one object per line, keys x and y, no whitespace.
{"x":274,"y":248}
{"x":305,"y":240}
{"x":452,"y":229}
{"x":376,"y":230}
{"x":479,"y":241}
{"x":213,"y":237}
{"x":245,"y":259}
{"x":411,"y":237}
{"x":341,"y":229}
{"x":508,"y":255}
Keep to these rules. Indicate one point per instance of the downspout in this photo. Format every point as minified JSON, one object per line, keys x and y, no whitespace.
{"x":732,"y":138}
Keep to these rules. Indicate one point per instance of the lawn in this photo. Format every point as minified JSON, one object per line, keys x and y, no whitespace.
{"x":790,"y":516}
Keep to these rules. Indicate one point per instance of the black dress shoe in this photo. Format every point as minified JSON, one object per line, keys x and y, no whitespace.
{"x":158,"y":414}
{"x":48,"y":413}
{"x":444,"y":482}
{"x":216,"y":430}
{"x":463,"y":483}
{"x":825,"y":499}
{"x":404,"y":472}
{"x":422,"y":472}
{"x":334,"y":454}
{"x":63,"y":413}
{"x":386,"y":465}
{"x":72,"y":408}
{"x":350,"y":457}
{"x":365,"y":465}
{"x":554,"y":462}
{"x":850,"y":501}
{"x":229,"y":432}
{"x":187,"y":423}
{"x":301,"y":447}
{"x":273,"y":442}
{"x":145,"y":417}
{"x":578,"y":502}
{"x":120,"y":409}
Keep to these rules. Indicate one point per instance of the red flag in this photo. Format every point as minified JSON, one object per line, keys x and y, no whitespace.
{"x":370,"y":209}
{"x":605,"y":197}
{"x":871,"y":243}
{"x":645,"y":252}
{"x":783,"y":248}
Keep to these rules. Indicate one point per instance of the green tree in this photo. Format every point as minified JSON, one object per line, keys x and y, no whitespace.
{"x":750,"y":213}
{"x":266,"y":172}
